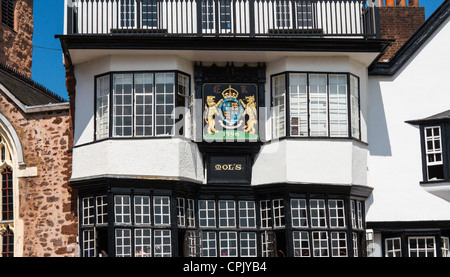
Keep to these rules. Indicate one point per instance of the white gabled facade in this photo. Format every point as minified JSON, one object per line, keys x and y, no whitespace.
{"x":403,"y":198}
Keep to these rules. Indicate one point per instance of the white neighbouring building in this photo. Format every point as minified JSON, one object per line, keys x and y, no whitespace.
{"x":409,"y":144}
{"x":240,"y":128}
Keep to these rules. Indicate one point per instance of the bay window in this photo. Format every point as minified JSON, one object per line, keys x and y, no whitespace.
{"x":140,"y":104}
{"x":315,"y":105}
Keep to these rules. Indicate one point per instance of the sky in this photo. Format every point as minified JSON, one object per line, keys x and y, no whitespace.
{"x":48,"y":69}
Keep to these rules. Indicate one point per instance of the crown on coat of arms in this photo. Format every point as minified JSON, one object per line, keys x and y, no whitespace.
{"x":230,"y":92}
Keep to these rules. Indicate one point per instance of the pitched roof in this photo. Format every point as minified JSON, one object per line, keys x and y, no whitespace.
{"x":414,"y":42}
{"x":434,"y":119}
{"x":27,"y":91}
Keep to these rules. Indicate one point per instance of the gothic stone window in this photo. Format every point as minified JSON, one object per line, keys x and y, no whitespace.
{"x":8,"y":12}
{"x":6,"y":202}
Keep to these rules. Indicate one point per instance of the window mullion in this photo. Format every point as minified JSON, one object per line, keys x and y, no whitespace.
{"x":327,"y":91}
{"x":287,"y":108}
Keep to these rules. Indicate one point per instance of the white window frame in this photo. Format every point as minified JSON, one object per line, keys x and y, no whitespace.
{"x":336,"y":213}
{"x":88,"y":208}
{"x":300,"y":240}
{"x":339,"y":244}
{"x":325,"y":105}
{"x":278,"y":213}
{"x":247,"y":214}
{"x":142,"y":207}
{"x":304,"y":13}
{"x":445,"y":247}
{"x":89,"y":243}
{"x":207,"y":213}
{"x":299,"y":213}
{"x":128,"y":14}
{"x":248,"y":244}
{"x":123,"y":242}
{"x":190,"y":212}
{"x":161,"y":210}
{"x":227,"y":213}
{"x":318,"y":215}
{"x":155,"y":21}
{"x":209,"y":244}
{"x":143,"y":111}
{"x":133,"y":17}
{"x":418,"y":251}
{"x":125,"y":113}
{"x":320,"y":243}
{"x":283,"y":15}
{"x":101,"y":206}
{"x":102,"y":106}
{"x":360,"y":214}
{"x":338,"y":105}
{"x":433,"y":151}
{"x":181,"y":212}
{"x":265,"y":213}
{"x":268,"y":244}
{"x":355,"y":244}
{"x":318,"y":105}
{"x":355,"y":107}
{"x":390,"y":247}
{"x":298,"y":104}
{"x":143,"y":242}
{"x":208,"y":14}
{"x":142,"y":104}
{"x":279,"y":106}
{"x":162,"y":243}
{"x":228,"y":242}
{"x":122,"y":209}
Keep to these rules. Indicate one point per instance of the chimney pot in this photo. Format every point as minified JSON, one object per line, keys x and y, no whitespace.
{"x":413,"y":3}
{"x":401,"y":3}
{"x":390,"y":2}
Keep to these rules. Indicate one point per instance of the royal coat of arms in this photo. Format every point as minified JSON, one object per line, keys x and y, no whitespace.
{"x":230,"y":112}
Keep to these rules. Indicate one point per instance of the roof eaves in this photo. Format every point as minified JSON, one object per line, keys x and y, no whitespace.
{"x":413,"y":44}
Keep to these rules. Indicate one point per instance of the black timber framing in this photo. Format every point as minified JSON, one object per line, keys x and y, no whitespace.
{"x":143,"y":42}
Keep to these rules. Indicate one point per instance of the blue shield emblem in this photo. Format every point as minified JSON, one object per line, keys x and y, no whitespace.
{"x":231,"y":110}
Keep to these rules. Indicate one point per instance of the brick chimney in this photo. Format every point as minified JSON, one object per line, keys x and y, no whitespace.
{"x":399,"y":19}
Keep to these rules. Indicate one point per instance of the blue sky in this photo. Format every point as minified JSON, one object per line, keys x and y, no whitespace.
{"x":48,"y":67}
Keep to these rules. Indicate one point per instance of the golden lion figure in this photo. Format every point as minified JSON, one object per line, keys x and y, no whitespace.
{"x":210,"y":112}
{"x":250,"y":110}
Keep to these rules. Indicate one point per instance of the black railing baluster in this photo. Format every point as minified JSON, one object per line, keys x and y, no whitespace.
{"x":251,"y":18}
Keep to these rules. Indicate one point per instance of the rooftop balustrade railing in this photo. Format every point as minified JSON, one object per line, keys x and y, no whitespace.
{"x":238,"y":18}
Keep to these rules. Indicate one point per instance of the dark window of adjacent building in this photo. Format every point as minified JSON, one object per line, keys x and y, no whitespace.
{"x":433,"y":153}
{"x":424,"y":245}
{"x":8,"y":12}
{"x":7,"y":195}
{"x":435,"y":138}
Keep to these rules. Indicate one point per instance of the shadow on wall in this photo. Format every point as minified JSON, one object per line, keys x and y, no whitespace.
{"x":378,"y":135}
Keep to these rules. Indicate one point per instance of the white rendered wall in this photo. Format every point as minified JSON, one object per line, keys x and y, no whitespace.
{"x":169,"y":158}
{"x":418,"y":90}
{"x":164,"y":159}
{"x":317,"y":161}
